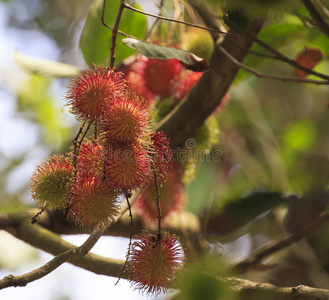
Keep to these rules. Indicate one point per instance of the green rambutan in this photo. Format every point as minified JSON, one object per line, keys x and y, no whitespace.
{"x":51,"y":182}
{"x":93,"y":203}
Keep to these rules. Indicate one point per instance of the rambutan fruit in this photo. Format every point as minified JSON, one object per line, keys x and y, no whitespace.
{"x":153,"y":266}
{"x":160,"y":75}
{"x":89,"y":92}
{"x":198,"y":42}
{"x":127,"y":119}
{"x":136,"y":82}
{"x":127,"y":166}
{"x":90,"y":157}
{"x":184,"y":86}
{"x":162,"y":156}
{"x":172,"y":198}
{"x":51,"y":182}
{"x":93,"y":204}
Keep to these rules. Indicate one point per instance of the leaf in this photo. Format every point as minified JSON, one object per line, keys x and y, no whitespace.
{"x":95,"y":40}
{"x":308,"y":59}
{"x":44,"y":67}
{"x":189,"y":60}
{"x":241,"y":211}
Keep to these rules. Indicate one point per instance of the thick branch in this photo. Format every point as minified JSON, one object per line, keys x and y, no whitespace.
{"x":253,"y":290}
{"x":317,"y":17}
{"x":207,"y":94}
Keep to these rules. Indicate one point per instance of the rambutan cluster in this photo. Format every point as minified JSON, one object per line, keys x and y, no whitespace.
{"x":122,"y":159}
{"x":123,"y":155}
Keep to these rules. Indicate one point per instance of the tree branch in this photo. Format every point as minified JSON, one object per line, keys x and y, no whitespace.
{"x":50,"y":266}
{"x":271,"y":76}
{"x":247,"y":290}
{"x":256,"y":256}
{"x":52,"y":243}
{"x":278,"y":55}
{"x":207,"y":94}
{"x":115,"y":31}
{"x":316,"y":16}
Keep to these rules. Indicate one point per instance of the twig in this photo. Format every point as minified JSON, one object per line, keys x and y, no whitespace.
{"x":317,"y":17}
{"x":130,"y":239}
{"x":322,"y":7}
{"x":255,"y":257}
{"x":75,"y":146}
{"x":34,"y":218}
{"x":207,"y":16}
{"x":271,"y":76}
{"x":173,"y":20}
{"x":50,"y":266}
{"x":278,"y":54}
{"x":157,"y":199}
{"x":115,"y":32}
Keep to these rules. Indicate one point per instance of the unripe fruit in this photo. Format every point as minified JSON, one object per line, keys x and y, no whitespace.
{"x":93,"y":203}
{"x":199,"y":42}
{"x":51,"y":182}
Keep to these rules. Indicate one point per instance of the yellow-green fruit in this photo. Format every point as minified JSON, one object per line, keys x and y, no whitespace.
{"x":207,"y":135}
{"x":51,"y":182}
{"x":198,"y":42}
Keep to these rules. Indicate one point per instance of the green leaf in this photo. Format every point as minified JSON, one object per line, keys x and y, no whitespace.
{"x":188,"y":59}
{"x":95,"y":40}
{"x":44,"y":67}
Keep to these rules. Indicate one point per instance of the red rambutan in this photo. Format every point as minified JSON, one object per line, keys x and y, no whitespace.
{"x":93,"y":204}
{"x":90,"y":158}
{"x":51,"y":182}
{"x":172,"y":198}
{"x":154,"y":266}
{"x":127,"y":166}
{"x":184,"y":87}
{"x":162,"y":156}
{"x":127,"y":119}
{"x":136,"y":82}
{"x":160,"y":75}
{"x":90,"y":91}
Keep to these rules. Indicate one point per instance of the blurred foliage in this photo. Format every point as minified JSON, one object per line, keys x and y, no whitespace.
{"x":95,"y":40}
{"x":34,"y":97}
{"x":201,"y":280}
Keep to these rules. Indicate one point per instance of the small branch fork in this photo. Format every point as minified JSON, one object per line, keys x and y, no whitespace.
{"x":50,"y":266}
{"x":255,"y":257}
{"x":271,"y":76}
{"x":278,"y":55}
